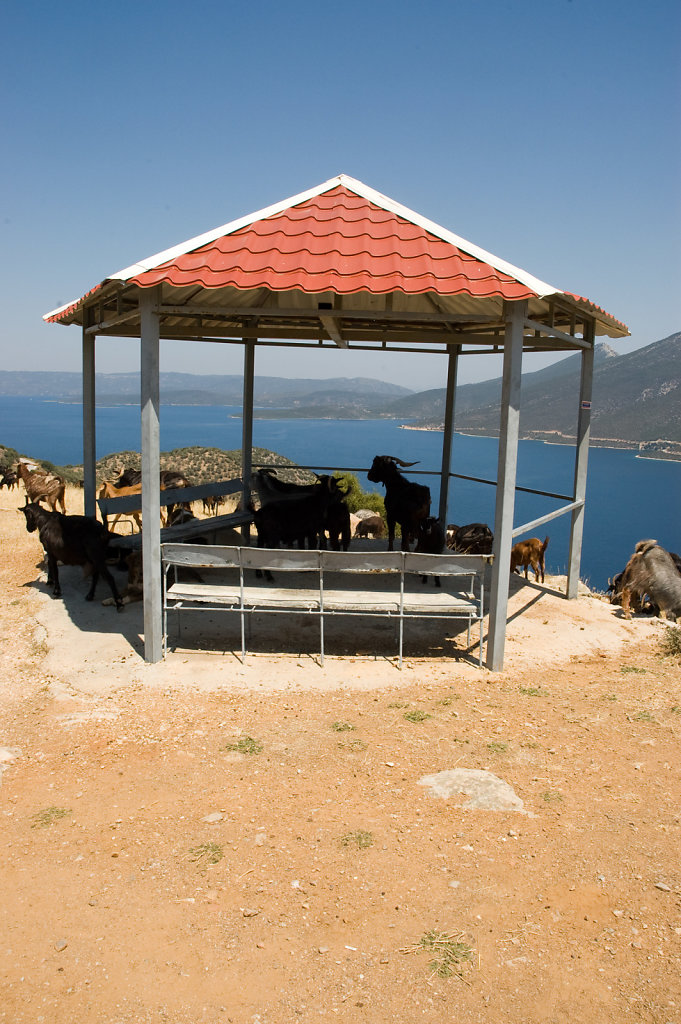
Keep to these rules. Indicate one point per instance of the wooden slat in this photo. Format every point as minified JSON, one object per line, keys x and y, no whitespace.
{"x":174,"y":496}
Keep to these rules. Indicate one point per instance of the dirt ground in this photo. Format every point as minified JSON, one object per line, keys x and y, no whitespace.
{"x":201,"y":841}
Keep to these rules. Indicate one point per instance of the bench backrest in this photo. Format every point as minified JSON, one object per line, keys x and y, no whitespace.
{"x":172,"y":496}
{"x":222,"y":556}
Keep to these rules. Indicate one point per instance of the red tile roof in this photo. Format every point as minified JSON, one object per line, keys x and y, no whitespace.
{"x":335,"y":242}
{"x":341,"y":238}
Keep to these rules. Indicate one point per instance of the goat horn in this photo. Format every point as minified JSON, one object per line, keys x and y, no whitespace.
{"x":400,"y":462}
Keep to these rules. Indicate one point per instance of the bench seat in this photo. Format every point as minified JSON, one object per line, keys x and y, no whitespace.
{"x":323,"y":583}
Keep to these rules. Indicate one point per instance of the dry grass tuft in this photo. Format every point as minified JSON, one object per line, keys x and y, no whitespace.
{"x":449,"y":952}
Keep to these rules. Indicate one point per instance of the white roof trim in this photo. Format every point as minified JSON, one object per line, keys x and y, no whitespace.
{"x":533,"y":283}
{"x":540,"y":287}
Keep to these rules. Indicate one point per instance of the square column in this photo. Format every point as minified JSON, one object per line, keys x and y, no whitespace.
{"x":581,"y":461}
{"x":506,"y":478}
{"x":450,"y":405}
{"x":89,"y":421}
{"x":151,"y":505}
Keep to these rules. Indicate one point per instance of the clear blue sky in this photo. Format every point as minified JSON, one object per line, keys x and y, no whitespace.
{"x":547,"y":131}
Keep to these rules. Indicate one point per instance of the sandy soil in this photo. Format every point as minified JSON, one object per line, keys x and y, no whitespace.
{"x":152,"y":873}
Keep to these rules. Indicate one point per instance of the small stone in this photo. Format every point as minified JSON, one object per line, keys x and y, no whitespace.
{"x":454,"y":885}
{"x":662,"y":887}
{"x":323,"y":949}
{"x":212,"y":819}
{"x":60,"y":945}
{"x":250,"y":913}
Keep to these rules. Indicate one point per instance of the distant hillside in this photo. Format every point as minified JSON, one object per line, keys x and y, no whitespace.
{"x":201,"y":389}
{"x":636,"y":397}
{"x":636,"y":400}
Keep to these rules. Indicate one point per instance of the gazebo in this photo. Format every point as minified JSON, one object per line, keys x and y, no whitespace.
{"x":342,"y":266}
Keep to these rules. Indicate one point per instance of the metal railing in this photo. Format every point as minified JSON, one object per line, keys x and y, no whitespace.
{"x":525,"y":528}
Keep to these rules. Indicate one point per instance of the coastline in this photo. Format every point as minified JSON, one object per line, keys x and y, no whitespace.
{"x":642,"y":449}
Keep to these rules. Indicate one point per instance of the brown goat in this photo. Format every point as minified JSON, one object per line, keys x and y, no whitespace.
{"x":134,"y":588}
{"x":371,"y":526}
{"x":41,"y":486}
{"x":109,"y":490}
{"x":528,"y":553}
{"x":651,"y":570}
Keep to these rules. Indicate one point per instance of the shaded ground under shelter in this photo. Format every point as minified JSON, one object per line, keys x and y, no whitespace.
{"x":341,"y":266}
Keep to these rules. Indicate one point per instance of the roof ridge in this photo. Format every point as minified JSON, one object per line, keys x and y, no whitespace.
{"x":540,"y":288}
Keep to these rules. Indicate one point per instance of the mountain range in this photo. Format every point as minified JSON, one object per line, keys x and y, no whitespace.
{"x":636,"y":399}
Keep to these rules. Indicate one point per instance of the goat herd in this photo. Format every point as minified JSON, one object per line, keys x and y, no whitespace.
{"x":306,"y":515}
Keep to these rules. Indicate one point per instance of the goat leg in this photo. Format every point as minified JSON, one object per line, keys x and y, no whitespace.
{"x":109,"y":579}
{"x":53,"y":575}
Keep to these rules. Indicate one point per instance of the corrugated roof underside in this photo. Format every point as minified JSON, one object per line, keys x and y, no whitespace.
{"x":336,"y":242}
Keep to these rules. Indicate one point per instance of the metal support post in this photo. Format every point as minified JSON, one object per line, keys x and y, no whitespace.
{"x":581,"y":461}
{"x":151,"y":505}
{"x":247,"y":429}
{"x":89,"y":421}
{"x":450,"y":404}
{"x":506,"y":477}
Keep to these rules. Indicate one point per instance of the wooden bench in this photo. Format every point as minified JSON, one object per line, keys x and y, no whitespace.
{"x":209,"y":528}
{"x":324,"y":583}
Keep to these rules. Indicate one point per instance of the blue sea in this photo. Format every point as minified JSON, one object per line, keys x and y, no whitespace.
{"x":628,"y":498}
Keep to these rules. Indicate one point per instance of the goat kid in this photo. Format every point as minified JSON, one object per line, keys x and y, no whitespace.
{"x":72,"y":540}
{"x":528,"y":553}
{"x":430,"y":541}
{"x":371,"y":526}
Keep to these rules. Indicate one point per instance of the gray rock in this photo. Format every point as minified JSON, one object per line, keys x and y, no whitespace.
{"x":484,"y":790}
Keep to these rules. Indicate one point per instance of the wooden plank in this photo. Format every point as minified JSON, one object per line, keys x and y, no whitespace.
{"x":174,"y":496}
{"x":273,"y":313}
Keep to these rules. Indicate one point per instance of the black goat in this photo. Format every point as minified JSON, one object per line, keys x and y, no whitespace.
{"x":10,"y":480}
{"x":472,"y":539}
{"x":406,"y":503}
{"x":73,"y":540}
{"x":430,"y":541}
{"x":298,"y":521}
{"x":168,"y":479}
{"x":337,"y":524}
{"x":272,"y":490}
